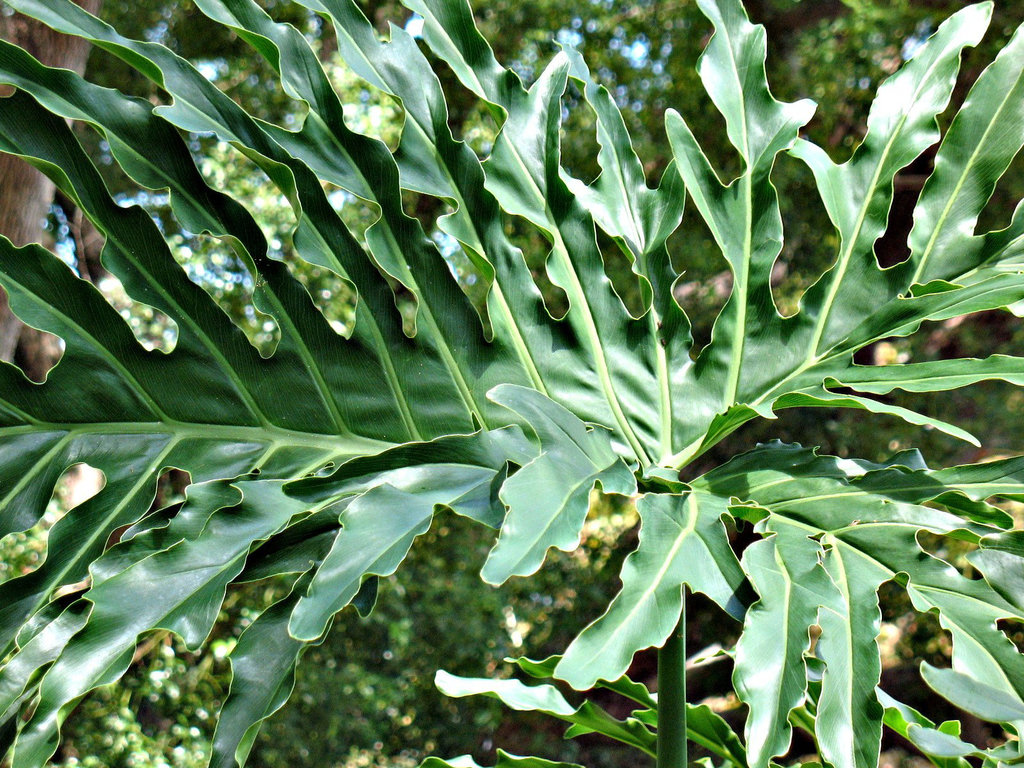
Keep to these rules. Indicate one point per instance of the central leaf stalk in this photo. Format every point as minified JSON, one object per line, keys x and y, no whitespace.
{"x":672,"y":697}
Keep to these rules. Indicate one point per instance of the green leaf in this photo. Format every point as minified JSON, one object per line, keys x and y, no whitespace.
{"x":200,"y":552}
{"x":978,"y":147}
{"x":523,"y":175}
{"x":933,"y":376}
{"x":708,"y":729}
{"x":431,"y":161}
{"x":630,"y":689}
{"x":909,"y":723}
{"x":769,"y":675}
{"x":999,"y":560}
{"x":587,"y":718}
{"x":548,"y":498}
{"x":703,"y":726}
{"x":848,"y":724}
{"x":974,"y":696}
{"x":505,"y":760}
{"x":857,"y":194}
{"x":682,"y":542}
{"x":321,"y":463}
{"x":865,"y":541}
{"x":36,"y":652}
{"x":939,"y":744}
{"x":824,"y":397}
{"x":744,"y":216}
{"x":263,"y":666}
{"x":364,"y":546}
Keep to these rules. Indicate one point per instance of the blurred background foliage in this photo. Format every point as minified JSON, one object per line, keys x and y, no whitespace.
{"x":366,"y":696}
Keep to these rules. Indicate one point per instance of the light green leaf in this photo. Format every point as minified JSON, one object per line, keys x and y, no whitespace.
{"x":848,"y":724}
{"x":769,"y":675}
{"x":823,"y":396}
{"x":505,"y":760}
{"x":587,"y":718}
{"x":857,"y":194}
{"x":939,"y":744}
{"x":974,"y":696}
{"x":906,"y":720}
{"x":933,"y":376}
{"x":545,"y":670}
{"x":744,"y":216}
{"x":682,"y":542}
{"x":490,"y":407}
{"x":979,"y":145}
{"x":619,"y":199}
{"x":548,"y":498}
{"x":384,"y":502}
{"x":999,"y":560}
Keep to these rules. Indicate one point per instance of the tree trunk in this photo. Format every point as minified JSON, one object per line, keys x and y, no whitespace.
{"x":25,"y":197}
{"x":25,"y":194}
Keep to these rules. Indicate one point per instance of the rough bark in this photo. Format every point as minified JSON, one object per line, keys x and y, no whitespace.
{"x":25,"y":194}
{"x":25,"y":197}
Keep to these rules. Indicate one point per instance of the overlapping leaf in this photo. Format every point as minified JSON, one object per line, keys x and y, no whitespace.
{"x":703,"y":726}
{"x":847,"y":527}
{"x":505,"y":760}
{"x":587,"y":718}
{"x":512,"y":421}
{"x":682,"y":541}
{"x":251,"y":426}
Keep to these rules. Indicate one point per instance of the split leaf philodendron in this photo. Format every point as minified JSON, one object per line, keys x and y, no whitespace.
{"x":321,"y":463}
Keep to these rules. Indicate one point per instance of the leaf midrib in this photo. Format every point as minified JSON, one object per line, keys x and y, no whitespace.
{"x":968,"y":166}
{"x":743,"y":276}
{"x":578,"y":299}
{"x":654,"y":583}
{"x":230,"y":433}
{"x":840,"y":270}
{"x":384,"y":221}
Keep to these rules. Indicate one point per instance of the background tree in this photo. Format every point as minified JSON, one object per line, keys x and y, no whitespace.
{"x":25,"y":193}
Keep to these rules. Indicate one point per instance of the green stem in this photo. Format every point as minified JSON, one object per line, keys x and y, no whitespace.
{"x":804,"y":720}
{"x":672,"y":697}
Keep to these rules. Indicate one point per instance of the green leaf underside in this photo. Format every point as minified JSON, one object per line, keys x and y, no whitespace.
{"x":836,"y":530}
{"x":682,"y":541}
{"x":911,"y":724}
{"x":505,"y":760}
{"x":587,"y":718}
{"x":704,"y":726}
{"x":513,"y":422}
